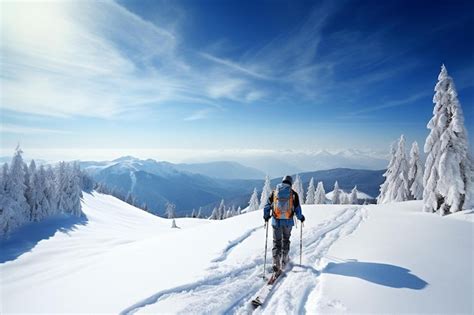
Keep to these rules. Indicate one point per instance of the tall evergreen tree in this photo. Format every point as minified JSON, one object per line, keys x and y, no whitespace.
{"x":233,"y":211}
{"x":415,"y":173}
{"x":4,"y":201}
{"x":42,"y":202}
{"x":29,"y":192}
{"x":336,"y":194}
{"x":221,"y":210}
{"x":266,"y":192}
{"x":310,"y":193}
{"x":298,"y":187}
{"x":353,"y":199}
{"x":199,"y":214}
{"x":15,"y":188}
{"x":51,"y":191}
{"x":385,"y":185}
{"x":214,"y":214}
{"x":400,"y":189}
{"x":447,"y":180}
{"x":253,"y":202}
{"x":75,"y":189}
{"x":32,"y":191}
{"x":62,"y":184}
{"x":3,"y":176}
{"x":395,"y":187}
{"x":320,"y":195}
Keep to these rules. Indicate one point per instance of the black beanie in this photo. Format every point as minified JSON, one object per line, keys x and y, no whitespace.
{"x":288,"y":180}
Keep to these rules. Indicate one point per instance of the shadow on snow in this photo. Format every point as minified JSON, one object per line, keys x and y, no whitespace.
{"x":28,"y":236}
{"x":382,"y":274}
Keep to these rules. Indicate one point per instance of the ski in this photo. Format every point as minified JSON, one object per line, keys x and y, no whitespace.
{"x":262,"y":294}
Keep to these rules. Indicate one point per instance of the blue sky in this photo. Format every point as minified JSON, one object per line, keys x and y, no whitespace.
{"x":102,"y":79}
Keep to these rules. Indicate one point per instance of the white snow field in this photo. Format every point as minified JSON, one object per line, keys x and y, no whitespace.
{"x":356,"y":259}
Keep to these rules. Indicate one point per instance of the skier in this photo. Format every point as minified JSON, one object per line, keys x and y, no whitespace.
{"x":283,"y":204}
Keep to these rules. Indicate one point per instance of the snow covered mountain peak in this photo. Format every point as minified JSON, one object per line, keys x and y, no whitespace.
{"x":125,"y":158}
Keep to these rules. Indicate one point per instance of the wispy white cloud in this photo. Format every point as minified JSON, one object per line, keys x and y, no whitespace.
{"x":199,"y":114}
{"x":95,"y":58}
{"x":236,"y":67}
{"x":55,"y":64}
{"x":20,"y":129}
{"x":295,"y":61}
{"x":392,"y":103}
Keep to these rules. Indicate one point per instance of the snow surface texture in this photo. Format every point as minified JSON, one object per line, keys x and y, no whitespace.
{"x":383,"y":259}
{"x":360,"y":195}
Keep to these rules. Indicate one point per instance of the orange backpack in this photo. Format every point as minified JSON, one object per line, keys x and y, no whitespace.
{"x":283,"y":205}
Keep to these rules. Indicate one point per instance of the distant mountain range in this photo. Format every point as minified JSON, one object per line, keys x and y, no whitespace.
{"x":218,"y":169}
{"x":255,"y":164}
{"x":222,"y":169}
{"x":186,"y":185}
{"x":279,"y":163}
{"x":205,"y":184}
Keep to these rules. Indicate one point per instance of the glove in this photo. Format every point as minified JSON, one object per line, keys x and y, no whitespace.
{"x":302,"y":218}
{"x":267,"y":217}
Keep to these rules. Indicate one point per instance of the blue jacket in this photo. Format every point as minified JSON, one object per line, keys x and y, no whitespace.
{"x":268,"y":209}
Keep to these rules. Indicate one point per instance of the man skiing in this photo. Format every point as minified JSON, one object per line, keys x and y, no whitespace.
{"x":283,"y":204}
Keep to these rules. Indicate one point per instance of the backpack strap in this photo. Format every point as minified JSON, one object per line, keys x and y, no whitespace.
{"x":276,"y":210}
{"x":290,"y":205}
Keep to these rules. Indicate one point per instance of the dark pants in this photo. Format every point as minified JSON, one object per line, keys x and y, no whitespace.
{"x":281,"y":243}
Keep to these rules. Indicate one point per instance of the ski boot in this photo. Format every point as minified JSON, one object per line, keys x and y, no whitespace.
{"x":284,"y":261}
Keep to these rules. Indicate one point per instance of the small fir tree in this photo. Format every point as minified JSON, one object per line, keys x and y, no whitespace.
{"x":336,"y":194}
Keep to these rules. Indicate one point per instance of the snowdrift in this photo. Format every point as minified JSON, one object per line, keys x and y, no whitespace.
{"x":356,"y":259}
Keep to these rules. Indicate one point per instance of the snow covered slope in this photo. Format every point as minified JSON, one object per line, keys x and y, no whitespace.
{"x":387,"y":258}
{"x":400,"y":261}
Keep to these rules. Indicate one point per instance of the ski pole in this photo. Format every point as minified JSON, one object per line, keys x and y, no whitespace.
{"x":266,"y":241}
{"x":301,"y":243}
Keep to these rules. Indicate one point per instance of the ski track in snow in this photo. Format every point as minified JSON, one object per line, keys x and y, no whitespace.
{"x":228,"y":290}
{"x":292,"y":297}
{"x":234,"y":243}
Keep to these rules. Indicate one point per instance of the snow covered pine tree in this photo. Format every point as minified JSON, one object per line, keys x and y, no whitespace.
{"x":310,"y":193}
{"x":384,"y":187}
{"x":448,"y":177}
{"x":253,"y":203}
{"x":395,"y":187}
{"x":31,"y":194}
{"x":266,"y":191}
{"x":353,"y":198}
{"x":415,"y":173}
{"x":320,"y":196}
{"x":336,"y":194}
{"x":298,"y":187}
